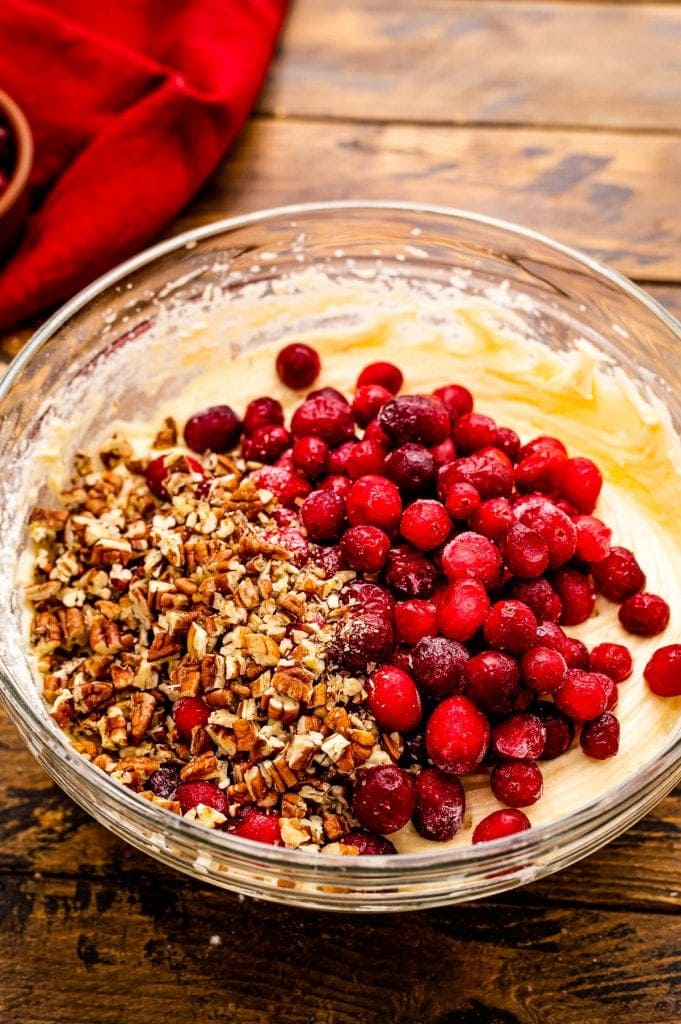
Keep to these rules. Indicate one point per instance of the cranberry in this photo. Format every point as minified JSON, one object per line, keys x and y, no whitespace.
{"x":644,"y":614}
{"x":541,"y":471}
{"x":560,"y":729}
{"x":375,"y":432}
{"x":491,"y":476}
{"x":440,"y":805}
{"x":543,"y":669}
{"x":491,"y":679}
{"x":368,"y":401}
{"x":457,"y":736}
{"x":474,"y":556}
{"x":582,"y":695}
{"x":309,"y":456}
{"x":393,"y":699}
{"x":323,"y":515}
{"x":298,"y":365}
{"x":333,"y":394}
{"x":339,"y":484}
{"x":329,"y":561}
{"x":463,"y":609}
{"x":386,"y":375}
{"x":524,"y":551}
{"x":375,"y":501}
{"x":288,"y":487}
{"x":363,"y":639}
{"x":510,"y":626}
{"x":370,"y":597}
{"x":214,"y":429}
{"x":401,"y":658}
{"x":553,"y":525}
{"x":261,"y":412}
{"x":415,"y":619}
{"x":462,"y":501}
{"x":521,"y":737}
{"x":165,"y":780}
{"x":409,"y":573}
{"x":581,"y":484}
{"x":293,"y":542}
{"x":337,"y":462}
{"x":456,"y":398}
{"x":285,"y":460}
{"x":365,"y":548}
{"x":158,"y":471}
{"x":611,"y":691}
{"x":437,"y":664}
{"x":618,"y":576}
{"x":538,"y":595}
{"x":601,"y":738}
{"x":191,"y":794}
{"x":593,"y":538}
{"x":366,"y":458}
{"x":577,"y":596}
{"x":425,"y":524}
{"x":473,"y":431}
{"x":517,"y":783}
{"x":543,"y":443}
{"x":509,"y":442}
{"x":416,"y":418}
{"x":576,"y":653}
{"x":383,"y":798}
{"x":368,"y":843}
{"x":499,"y":824}
{"x":444,"y":452}
{"x":188,"y":713}
{"x":612,"y":660}
{"x":266,"y":443}
{"x":323,"y":417}
{"x":663,"y":671}
{"x":492,"y":518}
{"x":412,"y":468}
{"x":256,"y":825}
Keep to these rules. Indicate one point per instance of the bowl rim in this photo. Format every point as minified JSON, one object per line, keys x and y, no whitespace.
{"x":24,"y":147}
{"x":660,"y":774}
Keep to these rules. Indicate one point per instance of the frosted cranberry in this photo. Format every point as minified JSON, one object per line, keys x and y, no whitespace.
{"x":337,"y":461}
{"x":188,"y":713}
{"x":618,"y":576}
{"x":517,"y":783}
{"x":576,"y":593}
{"x":499,"y":824}
{"x":362,"y":639}
{"x":386,"y":375}
{"x":158,"y":471}
{"x":215,"y":429}
{"x":415,"y":418}
{"x":365,"y":548}
{"x":543,"y":669}
{"x":365,"y":459}
{"x":323,"y":417}
{"x":457,"y":399}
{"x":440,"y":805}
{"x":612,"y":660}
{"x":470,"y":555}
{"x":510,"y":626}
{"x":520,"y":737}
{"x":309,"y":456}
{"x":509,"y":442}
{"x":663,"y":671}
{"x":463,"y":609}
{"x":393,"y":700}
{"x":331,"y":393}
{"x":581,"y":695}
{"x":415,"y":619}
{"x":412,"y":468}
{"x":285,"y":460}
{"x":462,"y":501}
{"x":644,"y":614}
{"x":298,"y":365}
{"x":288,"y":487}
{"x":593,"y":538}
{"x":560,"y":729}
{"x":491,"y":477}
{"x":367,"y":402}
{"x":601,"y":738}
{"x":541,"y":471}
{"x":383,"y":798}
{"x":581,"y":484}
{"x":437,"y":664}
{"x":374,"y":500}
{"x":370,"y":597}
{"x":329,"y":561}
{"x":409,"y":573}
{"x":191,"y":794}
{"x":339,"y":484}
{"x":256,"y":825}
{"x":375,"y":432}
{"x":368,"y":843}
{"x":491,"y":679}
{"x":323,"y":515}
{"x":165,"y":780}
{"x":457,"y":736}
{"x":473,"y":431}
{"x":262,"y":411}
{"x":444,"y":452}
{"x":492,"y":518}
{"x":575,"y":652}
{"x":266,"y":443}
{"x":538,"y":595}
{"x":425,"y":524}
{"x":549,"y":522}
{"x":524,"y":552}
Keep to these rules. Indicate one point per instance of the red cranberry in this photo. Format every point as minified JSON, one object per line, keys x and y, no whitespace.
{"x":416,"y":418}
{"x":593,"y":538}
{"x":165,"y":780}
{"x":331,"y":393}
{"x":509,"y":442}
{"x":365,"y":459}
{"x":288,"y":487}
{"x":612,"y":660}
{"x":375,"y":501}
{"x":368,"y":843}
{"x":541,"y":444}
{"x":298,"y":365}
{"x":188,"y":713}
{"x":409,"y":573}
{"x":457,"y":736}
{"x":521,"y":737}
{"x":618,"y":576}
{"x":215,"y":429}
{"x":582,"y":695}
{"x":368,"y":401}
{"x":644,"y":614}
{"x":444,"y":452}
{"x":266,"y":443}
{"x":309,"y":456}
{"x":261,"y":412}
{"x":463,"y":609}
{"x":663,"y":671}
{"x":285,"y":461}
{"x":401,"y":658}
{"x":491,"y":679}
{"x":517,"y":783}
{"x":601,"y":738}
{"x":457,"y":399}
{"x":158,"y":471}
{"x":437,"y":664}
{"x":440,"y":805}
{"x":492,"y":518}
{"x":393,"y":700}
{"x":365,"y":548}
{"x":339,"y":484}
{"x":337,"y":462}
{"x":370,"y":597}
{"x":293,"y":542}
{"x":462,"y":501}
{"x":499,"y":824}
{"x":581,"y":484}
{"x":323,"y":417}
{"x":538,"y":595}
{"x":491,"y":477}
{"x":473,"y":431}
{"x":560,"y":729}
{"x":510,"y":626}
{"x":329,"y":561}
{"x":375,"y":432}
{"x":415,"y":619}
{"x":386,"y":375}
{"x":553,"y":525}
{"x":425,"y":524}
{"x":191,"y":794}
{"x":470,"y":555}
{"x":541,"y":471}
{"x":524,"y":551}
{"x":543,"y":669}
{"x":577,"y":596}
{"x":412,"y":468}
{"x":323,"y":515}
{"x":256,"y":825}
{"x":383,"y":798}
{"x":576,"y":653}
{"x":611,"y":691}
{"x":363,"y":639}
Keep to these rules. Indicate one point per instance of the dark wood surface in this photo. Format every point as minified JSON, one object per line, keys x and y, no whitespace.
{"x":565,"y":116}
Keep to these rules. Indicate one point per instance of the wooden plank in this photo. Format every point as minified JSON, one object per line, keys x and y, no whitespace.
{"x":610,"y":193}
{"x":481,"y":61}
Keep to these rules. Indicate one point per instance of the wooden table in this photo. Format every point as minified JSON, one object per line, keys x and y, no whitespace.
{"x":564,"y":116}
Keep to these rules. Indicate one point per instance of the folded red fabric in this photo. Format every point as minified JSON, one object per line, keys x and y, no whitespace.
{"x":132,"y":103}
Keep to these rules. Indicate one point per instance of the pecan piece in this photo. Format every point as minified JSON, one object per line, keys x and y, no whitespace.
{"x":142,"y":707}
{"x":294,"y":682}
{"x":104,"y":637}
{"x":46,"y":632}
{"x":163,"y":646}
{"x":205,"y":766}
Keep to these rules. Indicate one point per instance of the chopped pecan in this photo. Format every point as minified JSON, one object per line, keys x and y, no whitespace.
{"x":46,"y":523}
{"x":205,"y":766}
{"x":246,"y":733}
{"x":46,"y":632}
{"x":142,"y":707}
{"x":294,"y":682}
{"x":104,"y":637}
{"x":163,"y":647}
{"x":167,"y":435}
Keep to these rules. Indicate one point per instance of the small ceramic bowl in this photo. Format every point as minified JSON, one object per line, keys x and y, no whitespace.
{"x":14,"y":197}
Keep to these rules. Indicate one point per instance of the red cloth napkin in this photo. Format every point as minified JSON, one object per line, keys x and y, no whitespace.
{"x":132,"y":103}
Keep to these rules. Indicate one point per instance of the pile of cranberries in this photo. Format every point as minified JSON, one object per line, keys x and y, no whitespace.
{"x":472,"y":551}
{"x":7,"y":156}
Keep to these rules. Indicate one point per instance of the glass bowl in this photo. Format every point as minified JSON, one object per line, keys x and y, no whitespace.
{"x":549,"y":287}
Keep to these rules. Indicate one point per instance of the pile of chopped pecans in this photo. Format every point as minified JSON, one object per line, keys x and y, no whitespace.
{"x":138,"y":603}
